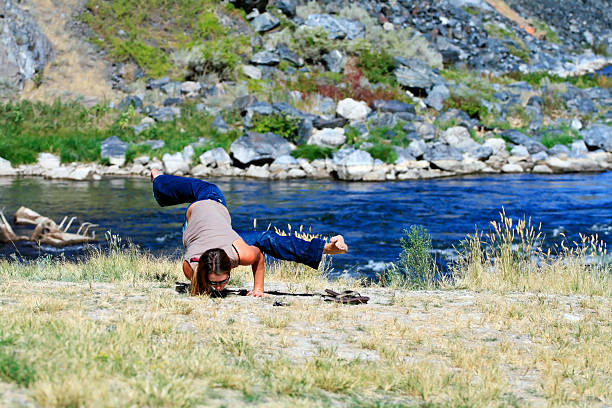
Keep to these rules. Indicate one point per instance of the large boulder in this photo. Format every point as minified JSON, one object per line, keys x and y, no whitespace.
{"x":336,"y":28}
{"x":48,"y":161}
{"x":519,"y":138}
{"x":393,"y":106}
{"x":460,"y":138}
{"x":352,"y":164}
{"x":215,"y":158}
{"x":114,"y":150}
{"x":175,"y":163}
{"x":414,"y":73}
{"x":441,"y":151}
{"x":257,"y":149}
{"x":328,"y":137}
{"x":598,"y":137}
{"x":353,"y":110}
{"x":25,"y":49}
{"x":6,"y":169}
{"x":264,"y":22}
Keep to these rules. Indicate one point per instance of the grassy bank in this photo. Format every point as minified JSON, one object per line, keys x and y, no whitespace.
{"x":74,"y":132}
{"x":111,"y":331}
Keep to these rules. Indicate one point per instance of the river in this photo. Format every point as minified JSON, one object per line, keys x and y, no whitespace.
{"x":372,"y":216}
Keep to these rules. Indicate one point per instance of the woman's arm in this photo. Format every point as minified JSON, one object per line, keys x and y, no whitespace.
{"x":187,"y":270}
{"x":251,"y":255}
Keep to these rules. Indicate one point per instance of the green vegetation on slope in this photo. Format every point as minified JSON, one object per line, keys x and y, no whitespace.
{"x":75,"y":132}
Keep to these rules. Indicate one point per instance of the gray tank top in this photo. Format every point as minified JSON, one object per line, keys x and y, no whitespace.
{"x":209,"y":226}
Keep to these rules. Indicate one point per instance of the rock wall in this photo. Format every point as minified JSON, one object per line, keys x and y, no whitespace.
{"x":24,"y":49}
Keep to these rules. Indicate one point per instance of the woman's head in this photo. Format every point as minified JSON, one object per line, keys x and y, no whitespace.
{"x":212,"y":273}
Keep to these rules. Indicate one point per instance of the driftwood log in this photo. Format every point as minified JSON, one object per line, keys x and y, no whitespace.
{"x":46,"y":231}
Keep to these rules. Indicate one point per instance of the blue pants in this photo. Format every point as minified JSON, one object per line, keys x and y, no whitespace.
{"x":172,"y":190}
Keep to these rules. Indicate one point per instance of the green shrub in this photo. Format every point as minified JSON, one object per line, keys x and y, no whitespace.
{"x":311,"y":43}
{"x":470,"y":104}
{"x":416,"y":268}
{"x":277,"y":123}
{"x":378,"y":67}
{"x":535,"y":79}
{"x":312,"y":152}
{"x":563,"y":135}
{"x":383,"y":152}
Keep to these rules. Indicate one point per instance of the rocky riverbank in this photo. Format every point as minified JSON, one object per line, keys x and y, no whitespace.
{"x":368,"y":91}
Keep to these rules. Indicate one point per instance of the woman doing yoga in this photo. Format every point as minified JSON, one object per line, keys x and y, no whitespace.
{"x":213,"y":248}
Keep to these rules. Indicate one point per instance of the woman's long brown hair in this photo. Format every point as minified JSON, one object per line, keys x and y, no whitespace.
{"x":214,"y":261}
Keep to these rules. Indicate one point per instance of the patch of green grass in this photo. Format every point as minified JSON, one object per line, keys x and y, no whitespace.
{"x":147,"y":33}
{"x":550,"y":34}
{"x":470,"y":104}
{"x":516,"y":46}
{"x":277,"y":123}
{"x":563,"y":135}
{"x":14,"y":369}
{"x":583,"y":81}
{"x":377,"y":66}
{"x":312,"y":152}
{"x":74,"y":132}
{"x":383,"y":152}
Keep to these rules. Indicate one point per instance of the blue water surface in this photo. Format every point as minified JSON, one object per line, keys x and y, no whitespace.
{"x":371,"y":216}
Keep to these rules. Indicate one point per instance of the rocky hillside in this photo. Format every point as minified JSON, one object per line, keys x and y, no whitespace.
{"x":356,"y":90}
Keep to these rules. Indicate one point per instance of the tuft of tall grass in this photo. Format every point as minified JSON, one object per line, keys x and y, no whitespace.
{"x":416,"y":268}
{"x":509,"y":258}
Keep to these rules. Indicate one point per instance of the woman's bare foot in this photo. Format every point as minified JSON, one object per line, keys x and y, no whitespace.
{"x":154,"y":173}
{"x":335,"y":246}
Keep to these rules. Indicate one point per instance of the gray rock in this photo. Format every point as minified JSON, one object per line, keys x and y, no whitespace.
{"x":457,"y":118}
{"x":288,"y":7}
{"x":257,"y":148}
{"x":138,"y":129}
{"x":215,"y":158}
{"x":459,"y":138}
{"x":579,"y":148}
{"x":172,"y":88}
{"x":415,"y":73}
{"x":336,"y":28}
{"x":284,"y":162}
{"x":264,"y":22}
{"x":190,"y":88}
{"x":322,"y":123}
{"x":437,"y":96}
{"x":598,"y":137}
{"x":519,"y":150}
{"x":304,"y":132}
{"x":158,"y":83}
{"x":114,"y":150}
{"x":6,"y":169}
{"x":417,"y":148}
{"x":265,"y":58}
{"x":334,"y":61}
{"x":251,"y":71}
{"x":393,"y":106}
{"x":219,"y":124}
{"x":165,"y":114}
{"x":188,"y":153}
{"x":425,"y":130}
{"x":403,"y":154}
{"x":286,"y":54}
{"x":132,"y":100}
{"x":153,"y":144}
{"x":497,"y":144}
{"x":482,"y":152}
{"x":520,"y":138}
{"x":583,"y":106}
{"x":558,"y":149}
{"x":441,"y":151}
{"x":541,"y":156}
{"x":25,"y":49}
{"x":175,"y":163}
{"x":172,"y":101}
{"x":352,"y":164}
{"x":383,"y":120}
{"x":241,"y":103}
{"x":48,"y":161}
{"x":328,"y":138}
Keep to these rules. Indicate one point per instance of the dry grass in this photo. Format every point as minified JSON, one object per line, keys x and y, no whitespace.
{"x":111,"y":331}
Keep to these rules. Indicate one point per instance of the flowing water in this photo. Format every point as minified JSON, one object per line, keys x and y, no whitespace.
{"x":372,"y":216}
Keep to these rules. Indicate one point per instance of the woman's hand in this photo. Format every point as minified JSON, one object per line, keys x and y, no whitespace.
{"x":257,"y":293}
